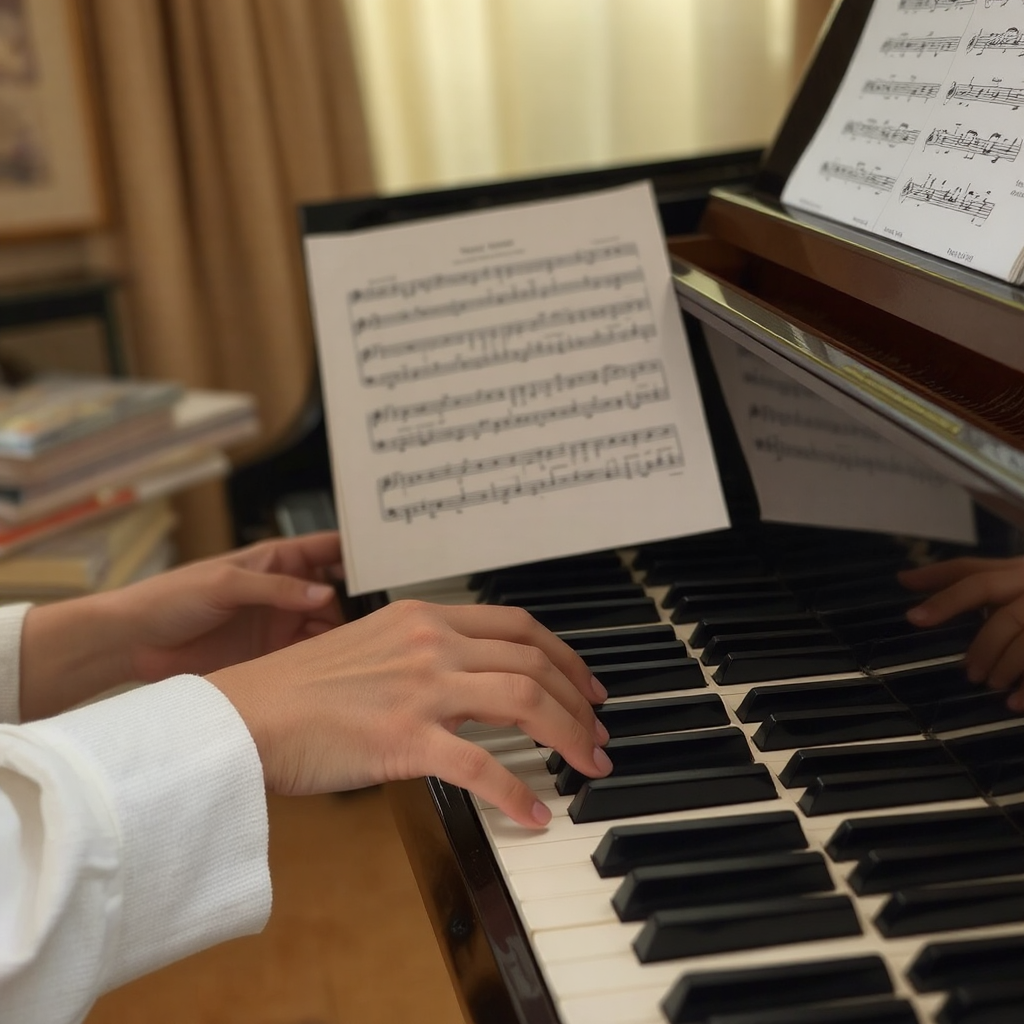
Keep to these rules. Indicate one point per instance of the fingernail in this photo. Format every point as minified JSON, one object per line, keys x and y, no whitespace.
{"x":917,"y":615}
{"x":319,"y":592}
{"x":973,"y":675}
{"x":603,"y":736}
{"x":599,"y":691}
{"x":602,"y":761}
{"x":1015,"y":701}
{"x":540,"y":813}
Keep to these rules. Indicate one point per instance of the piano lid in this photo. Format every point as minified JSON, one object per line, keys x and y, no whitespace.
{"x":926,"y":352}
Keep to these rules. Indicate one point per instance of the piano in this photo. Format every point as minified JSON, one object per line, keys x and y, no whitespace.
{"x":814,"y":817}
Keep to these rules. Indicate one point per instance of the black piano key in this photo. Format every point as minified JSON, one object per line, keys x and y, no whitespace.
{"x":841,"y":593}
{"x":1000,"y":1002}
{"x":874,"y":629}
{"x":806,"y":765}
{"x":667,"y":714}
{"x":671,"y":934}
{"x":591,"y":614}
{"x":680,"y":588}
{"x":552,"y":568}
{"x":930,"y":683}
{"x":785,"y":729}
{"x":509,"y":581}
{"x":697,"y":606}
{"x":1002,"y":778}
{"x":886,"y":870}
{"x":963,"y":712}
{"x":625,"y":847}
{"x":666,"y":752}
{"x":719,"y":646}
{"x":634,"y":795}
{"x":727,"y":625}
{"x":862,"y":791}
{"x":924,"y":643}
{"x":988,"y":748}
{"x":633,"y":652}
{"x":710,"y":883}
{"x":759,"y":666}
{"x":587,"y":639}
{"x":659,"y":572}
{"x":858,"y":612}
{"x":874,"y":1011}
{"x":632,"y":678}
{"x":946,"y":965}
{"x":583,"y":592}
{"x":947,"y":908}
{"x":706,"y":994}
{"x":762,"y":701}
{"x":856,"y":837}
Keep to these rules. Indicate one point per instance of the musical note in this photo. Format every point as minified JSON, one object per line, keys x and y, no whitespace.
{"x":936,"y":5}
{"x":959,"y":198}
{"x":893,"y":135}
{"x":498,"y":273}
{"x":971,"y":144}
{"x":921,"y":45}
{"x":531,"y":472}
{"x":858,"y":175}
{"x":912,"y":89}
{"x":1009,"y":96}
{"x":1009,"y":40}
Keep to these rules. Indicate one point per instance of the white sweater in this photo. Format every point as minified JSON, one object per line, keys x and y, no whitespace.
{"x":133,"y":832}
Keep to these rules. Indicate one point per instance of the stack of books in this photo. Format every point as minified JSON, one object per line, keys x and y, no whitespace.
{"x":86,"y":468}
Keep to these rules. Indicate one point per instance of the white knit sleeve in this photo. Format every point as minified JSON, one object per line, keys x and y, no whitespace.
{"x":133,"y":832}
{"x":12,"y":616}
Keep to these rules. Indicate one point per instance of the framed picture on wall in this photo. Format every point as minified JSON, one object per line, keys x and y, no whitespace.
{"x":49,"y":173}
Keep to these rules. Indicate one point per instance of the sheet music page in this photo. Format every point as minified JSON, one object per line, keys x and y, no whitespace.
{"x":813,"y":464}
{"x":922,"y":140}
{"x":506,"y":386}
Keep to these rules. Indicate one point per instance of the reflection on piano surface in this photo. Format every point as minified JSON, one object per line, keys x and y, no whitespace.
{"x":812,"y":815}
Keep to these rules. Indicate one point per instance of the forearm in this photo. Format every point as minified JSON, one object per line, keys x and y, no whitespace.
{"x":70,"y":652}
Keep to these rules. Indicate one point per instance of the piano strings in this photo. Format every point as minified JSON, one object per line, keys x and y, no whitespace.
{"x":529,"y":473}
{"x":420,"y":424}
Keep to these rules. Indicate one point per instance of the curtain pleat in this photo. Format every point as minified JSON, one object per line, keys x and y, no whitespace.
{"x":222,"y":118}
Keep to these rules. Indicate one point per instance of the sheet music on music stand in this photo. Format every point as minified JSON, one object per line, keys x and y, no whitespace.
{"x":922,"y":141}
{"x":505,"y":386}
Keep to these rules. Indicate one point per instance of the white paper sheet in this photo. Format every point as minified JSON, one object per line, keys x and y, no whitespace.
{"x":507,"y":386}
{"x":811,"y":463}
{"x":922,"y":141}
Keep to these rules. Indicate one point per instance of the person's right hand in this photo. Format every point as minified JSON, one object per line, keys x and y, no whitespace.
{"x":380,"y":699}
{"x":996,"y":585}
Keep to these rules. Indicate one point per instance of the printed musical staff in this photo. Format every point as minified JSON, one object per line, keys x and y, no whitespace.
{"x":971,"y":144}
{"x":518,"y":406}
{"x":1009,"y":40}
{"x":531,"y":292}
{"x":505,"y":344}
{"x":456,"y":486}
{"x":921,"y":45}
{"x":858,"y":175}
{"x":498,"y":273}
{"x":959,"y":198}
{"x":911,"y":89}
{"x":1005,"y":95}
{"x":936,"y":5}
{"x":893,"y":135}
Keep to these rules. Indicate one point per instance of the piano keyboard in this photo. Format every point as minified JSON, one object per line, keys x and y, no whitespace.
{"x":813,"y":818}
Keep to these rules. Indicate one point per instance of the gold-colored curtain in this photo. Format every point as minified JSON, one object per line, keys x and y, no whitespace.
{"x":220,"y":118}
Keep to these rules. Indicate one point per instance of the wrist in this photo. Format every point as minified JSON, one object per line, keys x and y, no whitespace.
{"x":71,"y":651}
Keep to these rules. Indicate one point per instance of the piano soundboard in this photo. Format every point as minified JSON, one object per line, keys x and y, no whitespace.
{"x":813,"y":818}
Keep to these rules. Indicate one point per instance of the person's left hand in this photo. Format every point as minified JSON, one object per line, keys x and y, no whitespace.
{"x":242,"y":605}
{"x":196,"y":618}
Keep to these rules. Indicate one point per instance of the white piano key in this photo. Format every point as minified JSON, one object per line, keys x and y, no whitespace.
{"x":563,"y":881}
